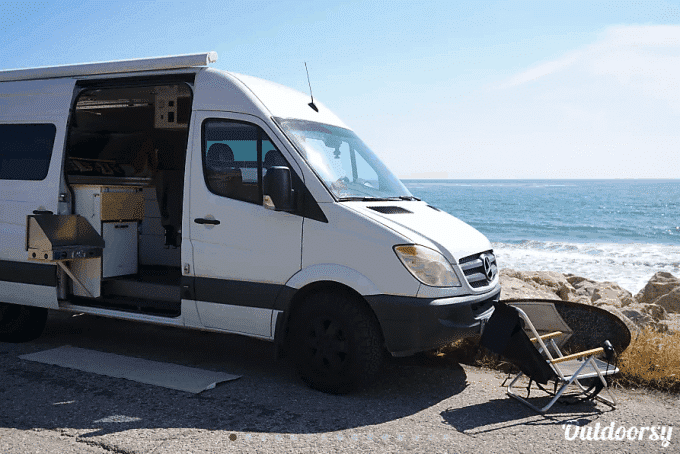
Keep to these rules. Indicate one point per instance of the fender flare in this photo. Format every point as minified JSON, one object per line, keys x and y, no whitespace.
{"x":322,"y":272}
{"x":335,"y":273}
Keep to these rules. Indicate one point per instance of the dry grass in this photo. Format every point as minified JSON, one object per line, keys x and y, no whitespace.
{"x":468,"y":351}
{"x":652,"y":360}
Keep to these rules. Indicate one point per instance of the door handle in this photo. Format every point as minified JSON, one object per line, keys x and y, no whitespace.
{"x":206,"y":221}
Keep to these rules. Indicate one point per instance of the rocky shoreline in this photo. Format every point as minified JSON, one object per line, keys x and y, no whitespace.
{"x":657,"y":305}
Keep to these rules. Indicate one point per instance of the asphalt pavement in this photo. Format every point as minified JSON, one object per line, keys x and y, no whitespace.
{"x":417,"y":404}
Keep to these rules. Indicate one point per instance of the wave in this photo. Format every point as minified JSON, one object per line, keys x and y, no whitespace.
{"x":630,"y":265}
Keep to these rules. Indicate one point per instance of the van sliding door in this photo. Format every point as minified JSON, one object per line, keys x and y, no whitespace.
{"x":33,"y":116}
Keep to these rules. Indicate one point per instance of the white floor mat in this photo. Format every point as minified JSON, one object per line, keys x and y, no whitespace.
{"x":168,"y":375}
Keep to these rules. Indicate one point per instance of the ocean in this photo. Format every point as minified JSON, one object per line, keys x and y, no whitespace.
{"x":621,"y":231}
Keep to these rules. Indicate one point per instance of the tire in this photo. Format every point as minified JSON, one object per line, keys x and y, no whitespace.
{"x":336,"y":344}
{"x":21,"y":323}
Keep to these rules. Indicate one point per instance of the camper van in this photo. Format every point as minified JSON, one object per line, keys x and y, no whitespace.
{"x":165,"y":191}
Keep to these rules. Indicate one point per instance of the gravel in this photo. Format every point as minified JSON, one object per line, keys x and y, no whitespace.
{"x":417,"y":404}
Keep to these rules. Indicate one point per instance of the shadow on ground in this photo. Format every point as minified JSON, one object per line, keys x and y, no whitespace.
{"x":268,"y":398}
{"x":498,"y":414}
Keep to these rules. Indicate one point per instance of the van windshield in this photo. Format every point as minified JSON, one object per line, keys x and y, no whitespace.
{"x":348,"y":168}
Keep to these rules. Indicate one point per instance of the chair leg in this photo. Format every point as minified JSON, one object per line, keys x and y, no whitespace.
{"x":563,"y":388}
{"x":511,"y":392}
{"x":611,"y":401}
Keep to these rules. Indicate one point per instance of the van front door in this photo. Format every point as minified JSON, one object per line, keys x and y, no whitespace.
{"x":243,"y":253}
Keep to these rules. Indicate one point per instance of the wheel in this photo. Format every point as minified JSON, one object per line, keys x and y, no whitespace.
{"x":336,"y":344}
{"x":21,"y":323}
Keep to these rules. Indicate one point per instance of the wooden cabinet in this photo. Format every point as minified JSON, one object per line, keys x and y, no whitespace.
{"x":115,"y":213}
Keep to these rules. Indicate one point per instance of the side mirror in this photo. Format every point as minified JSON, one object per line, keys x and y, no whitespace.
{"x":278,"y":189}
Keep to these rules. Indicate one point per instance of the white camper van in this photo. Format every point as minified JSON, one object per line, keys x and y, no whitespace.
{"x":165,"y":191}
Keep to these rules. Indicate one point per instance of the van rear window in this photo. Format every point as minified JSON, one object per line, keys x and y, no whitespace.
{"x":25,"y":151}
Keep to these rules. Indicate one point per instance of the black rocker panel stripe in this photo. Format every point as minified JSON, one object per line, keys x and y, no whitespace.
{"x":236,"y":293}
{"x":28,"y":273}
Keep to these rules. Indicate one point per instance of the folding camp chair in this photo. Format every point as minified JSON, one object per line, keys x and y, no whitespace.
{"x":545,"y":318}
{"x":504,"y":334}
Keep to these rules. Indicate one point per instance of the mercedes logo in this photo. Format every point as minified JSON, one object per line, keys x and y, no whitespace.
{"x":489,"y":270}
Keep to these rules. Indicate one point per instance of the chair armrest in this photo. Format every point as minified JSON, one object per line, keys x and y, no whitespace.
{"x":547,"y":336}
{"x":592,"y":352}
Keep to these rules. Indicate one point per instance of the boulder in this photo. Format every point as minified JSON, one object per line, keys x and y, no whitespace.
{"x":660,"y":284}
{"x":670,"y":301}
{"x":657,"y":305}
{"x":671,"y":324}
{"x":599,"y":293}
{"x":653,"y":310}
{"x":568,"y":287}
{"x":583,"y":287}
{"x":547,"y":282}
{"x":513,"y":288}
{"x":638,"y":316}
{"x":612,"y":292}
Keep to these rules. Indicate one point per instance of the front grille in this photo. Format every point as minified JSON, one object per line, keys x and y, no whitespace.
{"x":475,"y":271}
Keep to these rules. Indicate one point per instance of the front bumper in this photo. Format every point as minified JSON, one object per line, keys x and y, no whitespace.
{"x":411,"y":325}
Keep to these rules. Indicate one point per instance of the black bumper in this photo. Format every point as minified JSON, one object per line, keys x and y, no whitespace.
{"x":412,"y":324}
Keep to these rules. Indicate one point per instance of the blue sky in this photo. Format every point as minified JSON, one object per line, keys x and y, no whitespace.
{"x":440,"y":89}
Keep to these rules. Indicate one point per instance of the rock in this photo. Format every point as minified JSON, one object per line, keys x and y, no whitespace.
{"x":671,"y":325}
{"x":644,"y":314}
{"x":567,"y":287}
{"x":549,"y":283}
{"x":663,"y":289}
{"x":670,"y":301}
{"x":513,"y":288}
{"x":583,"y":287}
{"x":612,"y":292}
{"x":655,"y":311}
{"x":657,"y":305}
{"x":660,"y":284}
{"x":599,"y":293}
{"x":639,"y":318}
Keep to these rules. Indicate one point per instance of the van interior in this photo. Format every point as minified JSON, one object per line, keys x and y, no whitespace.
{"x":125,"y":159}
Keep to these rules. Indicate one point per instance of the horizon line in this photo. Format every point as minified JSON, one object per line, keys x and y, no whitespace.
{"x":541,"y":179}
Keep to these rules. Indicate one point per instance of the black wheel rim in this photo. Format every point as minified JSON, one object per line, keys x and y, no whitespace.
{"x":326,"y":345}
{"x":8,"y":313}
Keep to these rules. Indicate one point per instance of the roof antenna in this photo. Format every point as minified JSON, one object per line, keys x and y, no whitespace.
{"x":311,"y":104}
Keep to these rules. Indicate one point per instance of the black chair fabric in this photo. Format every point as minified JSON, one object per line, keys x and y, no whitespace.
{"x":505,"y":336}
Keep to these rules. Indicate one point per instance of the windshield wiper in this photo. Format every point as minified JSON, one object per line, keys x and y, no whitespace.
{"x":379,"y":199}
{"x":361,"y":199}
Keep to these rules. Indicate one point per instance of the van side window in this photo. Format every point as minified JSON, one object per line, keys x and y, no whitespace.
{"x":26,"y":150}
{"x":236,"y":156}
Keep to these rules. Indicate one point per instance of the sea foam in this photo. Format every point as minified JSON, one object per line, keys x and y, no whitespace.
{"x":629,"y":265}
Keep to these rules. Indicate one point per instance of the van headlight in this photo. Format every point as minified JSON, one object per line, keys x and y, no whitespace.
{"x":428,"y":266}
